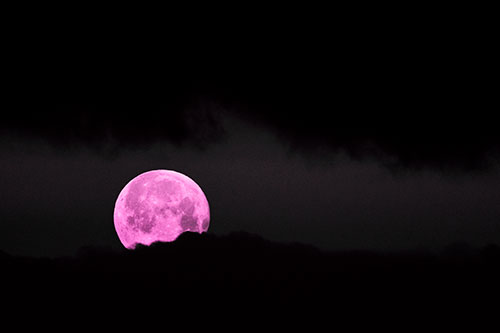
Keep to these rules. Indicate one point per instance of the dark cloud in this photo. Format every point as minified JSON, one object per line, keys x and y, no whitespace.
{"x":412,"y":97}
{"x":113,"y":125}
{"x":414,"y":103}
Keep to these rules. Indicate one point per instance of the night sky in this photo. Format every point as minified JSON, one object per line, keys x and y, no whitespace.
{"x":372,"y":140}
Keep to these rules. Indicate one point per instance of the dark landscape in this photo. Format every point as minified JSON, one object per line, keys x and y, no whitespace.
{"x":243,"y":277}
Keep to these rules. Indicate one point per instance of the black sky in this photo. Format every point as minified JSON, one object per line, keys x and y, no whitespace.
{"x":368,"y":139}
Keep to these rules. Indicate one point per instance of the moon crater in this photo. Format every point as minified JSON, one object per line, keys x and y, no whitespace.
{"x":189,"y":223}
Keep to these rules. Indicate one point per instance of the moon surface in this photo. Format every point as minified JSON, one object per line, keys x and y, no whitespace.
{"x":158,"y":206}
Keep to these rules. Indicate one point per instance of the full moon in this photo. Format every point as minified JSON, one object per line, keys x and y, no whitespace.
{"x":158,"y":206}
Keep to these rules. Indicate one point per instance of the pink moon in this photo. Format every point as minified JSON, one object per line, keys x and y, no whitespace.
{"x":158,"y":206}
